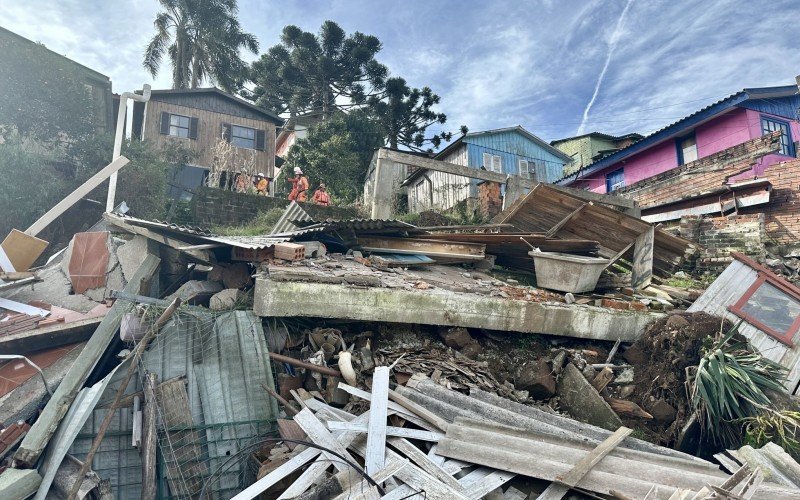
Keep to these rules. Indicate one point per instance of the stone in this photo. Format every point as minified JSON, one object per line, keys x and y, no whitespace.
{"x":472,"y":350}
{"x":236,"y":276}
{"x":624,"y":377}
{"x":626,"y":391}
{"x":558,"y":361}
{"x":537,"y":379}
{"x":681,"y":275}
{"x":578,"y":397}
{"x":457,"y":338}
{"x":131,"y":255}
{"x":226,"y":299}
{"x":569,"y":298}
{"x":677,"y":321}
{"x":315,"y":249}
{"x":196,"y":291}
{"x":663,"y":412}
{"x":484,"y":265}
{"x":634,"y":355}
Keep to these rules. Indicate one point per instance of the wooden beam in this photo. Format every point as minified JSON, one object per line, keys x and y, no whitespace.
{"x":403,"y":432}
{"x":318,"y":434}
{"x":378,"y":408}
{"x":440,"y":166}
{"x":553,"y":230}
{"x":631,"y":206}
{"x":642,"y":271}
{"x":149,"y":438}
{"x":76,"y":195}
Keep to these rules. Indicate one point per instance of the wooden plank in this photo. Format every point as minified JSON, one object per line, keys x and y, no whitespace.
{"x":44,"y":427}
{"x":54,"y":335}
{"x":440,"y":166}
{"x":19,"y":307}
{"x":566,"y":219}
{"x":419,"y":246}
{"x":149,"y":439}
{"x":392,"y":468}
{"x":425,"y":463}
{"x":419,"y":410}
{"x":318,"y":434}
{"x":378,"y":408}
{"x":76,"y":195}
{"x":403,"y":412}
{"x":5,"y":263}
{"x":402,"y":432}
{"x":434,"y":489}
{"x":642,"y":271}
{"x":582,"y":468}
{"x":483,"y":480}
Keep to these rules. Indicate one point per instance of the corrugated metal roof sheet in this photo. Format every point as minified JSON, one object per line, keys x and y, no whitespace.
{"x":355,"y":225}
{"x":293,"y":212}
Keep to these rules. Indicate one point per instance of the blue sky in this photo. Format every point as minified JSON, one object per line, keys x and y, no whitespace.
{"x":494,"y":63}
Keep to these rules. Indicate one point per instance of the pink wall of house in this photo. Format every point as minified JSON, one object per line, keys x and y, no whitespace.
{"x":732,"y":128}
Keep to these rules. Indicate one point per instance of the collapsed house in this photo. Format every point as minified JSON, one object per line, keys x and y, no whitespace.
{"x":371,"y":357}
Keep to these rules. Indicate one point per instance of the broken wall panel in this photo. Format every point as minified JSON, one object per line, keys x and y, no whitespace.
{"x":443,"y":307}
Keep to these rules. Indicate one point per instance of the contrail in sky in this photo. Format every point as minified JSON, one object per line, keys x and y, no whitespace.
{"x":612,"y":44}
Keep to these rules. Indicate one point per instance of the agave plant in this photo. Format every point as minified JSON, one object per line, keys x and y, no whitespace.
{"x":729,"y":386}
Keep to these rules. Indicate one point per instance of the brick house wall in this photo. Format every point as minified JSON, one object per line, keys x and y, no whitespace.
{"x":489,"y":199}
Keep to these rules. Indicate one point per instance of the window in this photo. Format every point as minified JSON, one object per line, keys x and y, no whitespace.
{"x":492,"y":163}
{"x":770,"y":306}
{"x":687,"y":149}
{"x":769,"y":125}
{"x":178,"y":126}
{"x":524,"y":168}
{"x":615,"y":180}
{"x":243,"y":137}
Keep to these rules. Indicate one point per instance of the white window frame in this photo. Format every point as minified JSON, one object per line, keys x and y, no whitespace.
{"x":173,"y":128}
{"x":493,"y":163}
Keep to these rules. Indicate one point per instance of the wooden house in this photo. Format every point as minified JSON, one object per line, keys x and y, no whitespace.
{"x":201,"y":118}
{"x":510,"y":151}
{"x":767,"y":305}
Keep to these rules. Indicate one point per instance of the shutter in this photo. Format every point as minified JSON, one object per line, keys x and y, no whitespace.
{"x":523,"y":168}
{"x":193,"y":122}
{"x":497,"y":163}
{"x":261,"y":140}
{"x":226,"y":132}
{"x":487,"y":161}
{"x":164,"y":123}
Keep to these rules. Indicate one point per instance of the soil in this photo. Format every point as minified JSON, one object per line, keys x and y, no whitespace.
{"x":660,"y":358}
{"x":430,"y":218}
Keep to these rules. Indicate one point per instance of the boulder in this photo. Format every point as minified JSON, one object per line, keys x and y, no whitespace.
{"x":537,"y":379}
{"x":663,"y":412}
{"x":226,"y":299}
{"x":456,"y":338}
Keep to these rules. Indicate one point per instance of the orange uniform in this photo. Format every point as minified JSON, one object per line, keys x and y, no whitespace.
{"x":321,"y":197}
{"x":299,"y":188}
{"x":262,"y":186}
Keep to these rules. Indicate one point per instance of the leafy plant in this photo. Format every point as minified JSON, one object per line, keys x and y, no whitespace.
{"x":729,"y":385}
{"x":772,"y":426}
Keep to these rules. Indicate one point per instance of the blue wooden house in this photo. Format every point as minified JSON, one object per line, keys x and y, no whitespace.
{"x":512,"y":151}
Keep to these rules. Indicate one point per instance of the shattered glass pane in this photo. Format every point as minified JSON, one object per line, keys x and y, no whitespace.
{"x":772,"y":307}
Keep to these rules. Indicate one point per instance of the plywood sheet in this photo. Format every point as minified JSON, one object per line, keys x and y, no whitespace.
{"x":22,"y":249}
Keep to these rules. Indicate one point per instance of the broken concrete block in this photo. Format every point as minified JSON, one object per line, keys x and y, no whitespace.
{"x":290,"y":251}
{"x":315,"y":248}
{"x":624,"y":377}
{"x":195,"y":290}
{"x":226,"y":299}
{"x":457,"y":338}
{"x":131,"y":255}
{"x":19,"y":484}
{"x":537,"y":379}
{"x":579,"y":398}
{"x":626,"y":391}
{"x":569,"y":298}
{"x":236,"y":276}
{"x":663,"y":412}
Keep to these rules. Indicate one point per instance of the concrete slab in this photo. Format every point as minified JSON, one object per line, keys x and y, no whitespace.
{"x":438,"y":306}
{"x":226,"y":299}
{"x":582,"y":401}
{"x":19,"y":484}
{"x":131,"y":255}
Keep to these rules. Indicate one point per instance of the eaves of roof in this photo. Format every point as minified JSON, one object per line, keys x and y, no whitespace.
{"x":238,"y":100}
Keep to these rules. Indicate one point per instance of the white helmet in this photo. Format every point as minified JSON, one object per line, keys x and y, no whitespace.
{"x":298,"y":171}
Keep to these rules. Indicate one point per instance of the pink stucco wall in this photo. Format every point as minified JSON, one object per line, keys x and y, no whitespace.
{"x":727,"y":130}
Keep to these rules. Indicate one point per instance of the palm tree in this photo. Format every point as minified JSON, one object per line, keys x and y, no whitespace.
{"x":202,"y":39}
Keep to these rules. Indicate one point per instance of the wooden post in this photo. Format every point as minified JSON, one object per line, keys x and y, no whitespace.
{"x":149,"y":437}
{"x":642,"y":270}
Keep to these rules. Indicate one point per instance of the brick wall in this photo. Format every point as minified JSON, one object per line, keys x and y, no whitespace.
{"x":218,"y":207}
{"x":491,"y":203}
{"x":782,"y":214}
{"x":719,"y":236}
{"x":706,"y":175}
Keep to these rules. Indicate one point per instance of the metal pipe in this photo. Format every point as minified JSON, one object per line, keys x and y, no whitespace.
{"x":34,"y":365}
{"x":121,"y":115}
{"x":308,"y":366}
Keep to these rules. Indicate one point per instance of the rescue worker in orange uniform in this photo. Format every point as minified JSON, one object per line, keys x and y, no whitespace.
{"x":262,"y":184}
{"x":299,"y":186}
{"x":321,"y":196}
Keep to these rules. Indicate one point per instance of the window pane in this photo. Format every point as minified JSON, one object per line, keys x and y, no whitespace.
{"x":772,"y":307}
{"x":178,"y":131}
{"x":243,"y":142}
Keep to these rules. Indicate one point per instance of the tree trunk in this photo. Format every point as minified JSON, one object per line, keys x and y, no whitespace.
{"x":195,"y":71}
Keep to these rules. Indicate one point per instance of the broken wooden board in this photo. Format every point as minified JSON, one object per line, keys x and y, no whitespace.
{"x":443,"y":307}
{"x":22,"y":249}
{"x":378,"y":408}
{"x":419,"y":246}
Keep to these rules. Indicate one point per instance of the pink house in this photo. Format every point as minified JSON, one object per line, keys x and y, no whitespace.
{"x":738,"y":118}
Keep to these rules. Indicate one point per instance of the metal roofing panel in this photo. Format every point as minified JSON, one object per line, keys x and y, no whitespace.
{"x":293,"y":212}
{"x":358,"y":225}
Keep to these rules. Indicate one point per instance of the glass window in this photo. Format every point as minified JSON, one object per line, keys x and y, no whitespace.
{"x":492,"y":163}
{"x":179,"y":126}
{"x":243,"y":137}
{"x":769,"y":125}
{"x":773,"y":308}
{"x":687,"y":146}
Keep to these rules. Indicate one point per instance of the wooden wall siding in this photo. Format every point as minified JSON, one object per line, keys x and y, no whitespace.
{"x":725,"y":291}
{"x":209,"y":130}
{"x":785,"y":106}
{"x":512,"y":146}
{"x":210,"y":101}
{"x":439,"y":190}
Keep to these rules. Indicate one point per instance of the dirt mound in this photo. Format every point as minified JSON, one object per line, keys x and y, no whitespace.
{"x":430,"y":218}
{"x":660,"y":358}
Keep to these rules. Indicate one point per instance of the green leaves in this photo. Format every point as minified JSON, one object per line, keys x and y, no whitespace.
{"x":729,"y":386}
